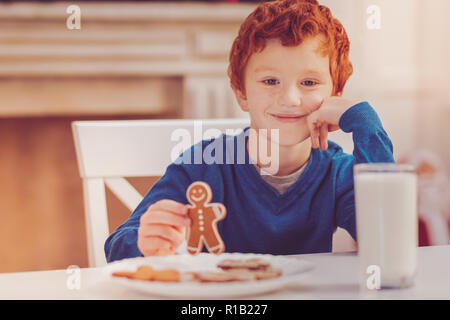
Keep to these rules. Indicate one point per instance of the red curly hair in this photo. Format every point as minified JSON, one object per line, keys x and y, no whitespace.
{"x":291,"y":21}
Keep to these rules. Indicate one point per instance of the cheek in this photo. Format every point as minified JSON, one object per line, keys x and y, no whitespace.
{"x":259,"y":100}
{"x":312,"y":101}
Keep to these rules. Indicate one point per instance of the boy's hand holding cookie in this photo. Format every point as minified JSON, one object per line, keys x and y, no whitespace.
{"x":324,"y":118}
{"x":162,"y":228}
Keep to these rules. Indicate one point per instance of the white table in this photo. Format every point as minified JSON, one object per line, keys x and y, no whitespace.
{"x":335,"y":276}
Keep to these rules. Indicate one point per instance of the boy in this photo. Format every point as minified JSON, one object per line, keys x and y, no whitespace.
{"x":288,"y":68}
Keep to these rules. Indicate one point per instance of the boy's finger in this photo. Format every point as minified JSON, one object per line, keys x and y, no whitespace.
{"x":316,"y":135}
{"x":313,"y":130}
{"x":170,"y":205}
{"x":151,"y":245}
{"x":164,"y":252}
{"x":163,"y":231}
{"x":181,"y":229}
{"x":165,"y":217}
{"x":324,"y":137}
{"x":316,"y":138}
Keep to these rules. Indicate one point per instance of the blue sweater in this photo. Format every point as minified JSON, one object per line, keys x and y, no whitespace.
{"x":259,"y":219}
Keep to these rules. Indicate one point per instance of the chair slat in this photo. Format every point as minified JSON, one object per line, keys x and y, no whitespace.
{"x":96,"y":220}
{"x":124,"y":191}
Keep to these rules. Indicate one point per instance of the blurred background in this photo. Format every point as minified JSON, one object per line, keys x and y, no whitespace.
{"x":160,"y":60}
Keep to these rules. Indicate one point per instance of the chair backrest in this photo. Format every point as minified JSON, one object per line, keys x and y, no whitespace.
{"x":108,"y":151}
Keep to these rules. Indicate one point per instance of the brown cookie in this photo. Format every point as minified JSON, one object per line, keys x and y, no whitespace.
{"x":149,"y":274}
{"x":143,"y":273}
{"x":166,"y":275}
{"x":123,"y":274}
{"x":267,"y":274}
{"x":257,"y":274}
{"x":249,"y":264}
{"x":188,"y":276}
{"x":204,"y":217}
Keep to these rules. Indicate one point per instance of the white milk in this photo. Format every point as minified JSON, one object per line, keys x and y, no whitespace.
{"x":386,"y":219}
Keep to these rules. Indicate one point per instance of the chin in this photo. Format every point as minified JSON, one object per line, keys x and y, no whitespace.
{"x":287,"y":136}
{"x":290,"y":140}
{"x":287,"y":139}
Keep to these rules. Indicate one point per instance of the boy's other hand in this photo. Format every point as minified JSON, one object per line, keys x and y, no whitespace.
{"x":162,"y":228}
{"x":324,"y":118}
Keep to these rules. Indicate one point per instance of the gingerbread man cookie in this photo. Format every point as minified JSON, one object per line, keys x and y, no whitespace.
{"x":204,"y":216}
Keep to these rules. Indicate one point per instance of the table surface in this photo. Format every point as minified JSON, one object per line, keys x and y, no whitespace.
{"x":335,"y":276}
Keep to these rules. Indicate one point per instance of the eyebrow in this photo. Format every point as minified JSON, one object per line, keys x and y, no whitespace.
{"x":264,"y":69}
{"x":269,"y":69}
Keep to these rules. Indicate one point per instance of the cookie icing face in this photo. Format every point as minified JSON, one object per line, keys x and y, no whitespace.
{"x":204,"y":216}
{"x":199,"y":193}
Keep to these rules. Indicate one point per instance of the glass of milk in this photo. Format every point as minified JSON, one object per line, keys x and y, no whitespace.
{"x":386,"y":224}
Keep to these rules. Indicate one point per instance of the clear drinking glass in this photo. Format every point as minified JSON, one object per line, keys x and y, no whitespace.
{"x":387,"y":224}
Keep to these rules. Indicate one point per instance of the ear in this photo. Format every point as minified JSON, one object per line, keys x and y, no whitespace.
{"x":241,"y":99}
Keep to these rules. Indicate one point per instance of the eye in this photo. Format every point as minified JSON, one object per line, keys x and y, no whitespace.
{"x":309,"y":83}
{"x":271,"y":82}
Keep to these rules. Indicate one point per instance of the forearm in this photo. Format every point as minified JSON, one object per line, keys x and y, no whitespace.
{"x":371,"y":142}
{"x":122,"y":244}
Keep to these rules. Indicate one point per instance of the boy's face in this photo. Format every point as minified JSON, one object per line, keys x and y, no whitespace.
{"x":283,"y":85}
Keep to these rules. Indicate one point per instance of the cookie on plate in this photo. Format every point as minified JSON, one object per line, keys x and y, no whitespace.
{"x":248,"y":264}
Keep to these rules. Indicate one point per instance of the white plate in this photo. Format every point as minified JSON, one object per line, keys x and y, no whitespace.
{"x":292,"y":268}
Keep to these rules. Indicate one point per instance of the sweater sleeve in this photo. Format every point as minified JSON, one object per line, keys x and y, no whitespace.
{"x":122,"y":243}
{"x":371,"y":144}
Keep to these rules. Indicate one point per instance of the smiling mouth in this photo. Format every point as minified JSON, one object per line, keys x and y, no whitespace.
{"x":287,"y":117}
{"x":198,"y":198}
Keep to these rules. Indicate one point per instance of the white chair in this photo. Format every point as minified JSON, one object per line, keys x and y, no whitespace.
{"x":108,"y":151}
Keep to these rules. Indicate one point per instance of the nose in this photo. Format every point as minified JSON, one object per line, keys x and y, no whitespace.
{"x":290,"y":96}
